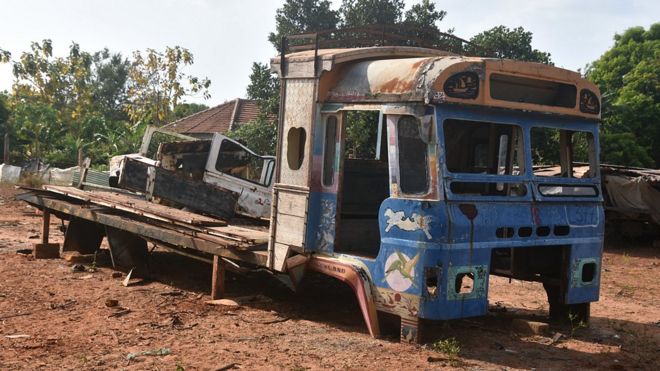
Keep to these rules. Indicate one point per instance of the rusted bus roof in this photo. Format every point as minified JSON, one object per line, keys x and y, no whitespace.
{"x":423,"y":79}
{"x":219,"y":119}
{"x":400,"y":74}
{"x":387,"y":80}
{"x":301,"y":64}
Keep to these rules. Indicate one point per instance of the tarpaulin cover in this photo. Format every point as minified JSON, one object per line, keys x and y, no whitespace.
{"x":634,"y":191}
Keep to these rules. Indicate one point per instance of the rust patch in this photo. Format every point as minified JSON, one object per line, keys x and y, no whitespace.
{"x":418,"y":63}
{"x":396,"y":86}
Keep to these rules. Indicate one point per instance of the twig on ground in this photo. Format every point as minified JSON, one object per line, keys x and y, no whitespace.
{"x":120,"y":313}
{"x":284,"y":319}
{"x":226,"y":367}
{"x":15,"y":315}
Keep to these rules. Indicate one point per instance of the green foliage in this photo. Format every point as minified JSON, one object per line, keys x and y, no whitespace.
{"x":36,"y":127}
{"x":109,"y":84}
{"x":98,"y":102}
{"x":60,"y":103}
{"x":297,"y":16}
{"x":449,"y":346}
{"x":424,"y":15}
{"x":365,"y":12}
{"x":424,"y":19}
{"x":265,"y":88}
{"x":624,"y":148}
{"x":361,"y":134}
{"x":186,"y":109}
{"x":4,"y":116}
{"x":5,"y":56}
{"x":545,"y":146}
{"x":508,"y":43}
{"x":576,"y":323}
{"x":628,"y":76}
{"x":157,"y":83}
{"x":260,"y":136}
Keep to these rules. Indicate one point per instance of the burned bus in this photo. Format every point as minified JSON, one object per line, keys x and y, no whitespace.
{"x":450,"y":191}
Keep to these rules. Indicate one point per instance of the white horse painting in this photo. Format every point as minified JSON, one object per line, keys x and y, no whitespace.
{"x":416,"y":222}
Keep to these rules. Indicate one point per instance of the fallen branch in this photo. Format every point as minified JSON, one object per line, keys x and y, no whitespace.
{"x":265,"y":322}
{"x":120,"y":313}
{"x":15,"y":315}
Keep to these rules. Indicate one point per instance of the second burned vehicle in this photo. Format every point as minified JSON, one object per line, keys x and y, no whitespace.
{"x":183,"y":165}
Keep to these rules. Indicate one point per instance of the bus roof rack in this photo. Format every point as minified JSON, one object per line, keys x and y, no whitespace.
{"x":379,"y":35}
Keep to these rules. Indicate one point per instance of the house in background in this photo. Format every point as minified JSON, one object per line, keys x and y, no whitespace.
{"x":219,"y":119}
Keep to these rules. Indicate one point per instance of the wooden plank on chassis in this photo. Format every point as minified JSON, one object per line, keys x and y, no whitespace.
{"x":136,"y":205}
{"x":145,"y":229}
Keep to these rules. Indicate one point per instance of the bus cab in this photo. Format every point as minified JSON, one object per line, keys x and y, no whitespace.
{"x":451,"y":188}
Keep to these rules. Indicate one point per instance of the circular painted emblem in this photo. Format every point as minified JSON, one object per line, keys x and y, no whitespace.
{"x":400,"y":271}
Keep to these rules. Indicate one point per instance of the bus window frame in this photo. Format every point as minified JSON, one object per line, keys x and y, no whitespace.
{"x":526,"y":120}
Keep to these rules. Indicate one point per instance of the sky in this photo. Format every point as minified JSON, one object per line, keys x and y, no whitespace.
{"x":226,"y":36}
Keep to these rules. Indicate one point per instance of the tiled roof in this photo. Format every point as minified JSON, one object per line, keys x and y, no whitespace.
{"x":218,"y":119}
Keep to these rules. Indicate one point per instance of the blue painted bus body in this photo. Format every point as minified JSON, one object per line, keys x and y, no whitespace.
{"x":461,"y":230}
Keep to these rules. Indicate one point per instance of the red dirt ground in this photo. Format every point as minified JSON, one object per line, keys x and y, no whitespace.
{"x":63,"y":322}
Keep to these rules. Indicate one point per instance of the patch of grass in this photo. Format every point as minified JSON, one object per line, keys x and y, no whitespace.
{"x":449,"y":346}
{"x":575,"y":324}
{"x":626,"y":258}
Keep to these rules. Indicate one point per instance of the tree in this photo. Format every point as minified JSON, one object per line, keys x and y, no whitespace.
{"x":298,"y":16}
{"x":98,"y":102}
{"x":508,"y":43}
{"x":109,"y":84}
{"x":4,"y":116}
{"x":357,"y":13}
{"x":37,"y":127}
{"x":264,"y":87}
{"x":182,"y":110}
{"x":624,"y":149}
{"x":361,"y":134}
{"x":53,"y":98}
{"x":424,"y":15}
{"x":157,"y":83}
{"x":260,"y":136}
{"x":423,"y":19}
{"x":628,"y":76}
{"x":5,"y":56}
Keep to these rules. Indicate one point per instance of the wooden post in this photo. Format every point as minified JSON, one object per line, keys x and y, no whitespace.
{"x":45,"y":227}
{"x":83,"y":171}
{"x":5,"y":156}
{"x":80,"y":157}
{"x":218,"y":279}
{"x":45,"y":250}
